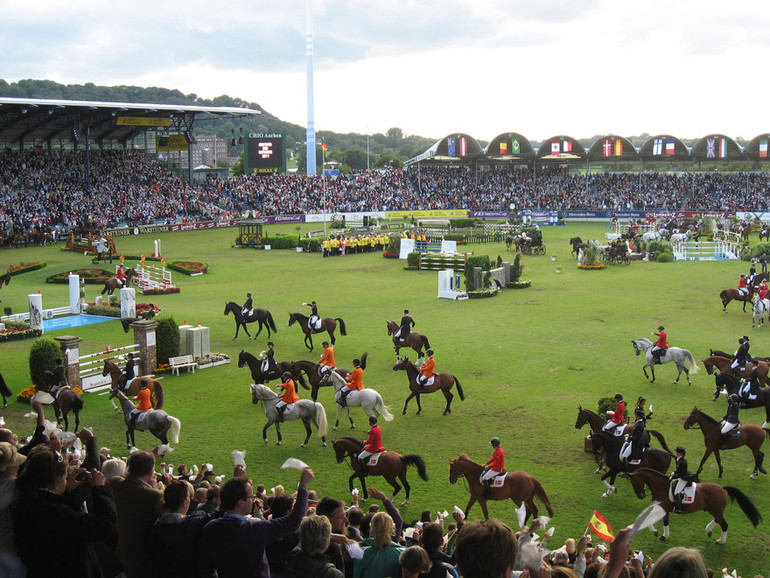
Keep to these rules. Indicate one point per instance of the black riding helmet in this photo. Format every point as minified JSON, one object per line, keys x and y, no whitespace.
{"x":495,"y":442}
{"x":286,"y":374}
{"x":680,"y":450}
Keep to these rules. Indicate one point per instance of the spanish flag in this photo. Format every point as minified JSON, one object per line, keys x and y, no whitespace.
{"x":323,"y":145}
{"x":601,"y":527}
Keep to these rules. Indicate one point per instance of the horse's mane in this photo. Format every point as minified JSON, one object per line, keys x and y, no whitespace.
{"x":707,"y":416}
{"x":645,"y":340}
{"x":299,"y":315}
{"x":264,"y":389}
{"x":354,"y":441}
{"x":604,"y":436}
{"x":465,"y":458}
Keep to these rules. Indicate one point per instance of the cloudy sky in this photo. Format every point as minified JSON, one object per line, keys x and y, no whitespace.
{"x":538,"y":67}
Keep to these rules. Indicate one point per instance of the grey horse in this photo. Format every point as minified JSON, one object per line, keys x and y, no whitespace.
{"x":675,"y":354}
{"x":304,"y":409}
{"x":156,"y":421}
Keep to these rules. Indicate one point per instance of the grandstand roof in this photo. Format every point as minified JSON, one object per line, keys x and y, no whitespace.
{"x":38,"y":121}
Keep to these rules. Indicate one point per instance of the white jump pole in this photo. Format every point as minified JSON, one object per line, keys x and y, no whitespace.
{"x":74,"y":285}
{"x":36,"y":311}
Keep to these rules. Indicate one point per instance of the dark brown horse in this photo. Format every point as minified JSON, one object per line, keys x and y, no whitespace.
{"x":257,"y":376}
{"x":520,"y":487}
{"x":156,"y":389}
{"x":751,"y":436}
{"x":328,"y":325}
{"x":764,"y":233}
{"x":4,"y":390}
{"x":509,"y":241}
{"x":708,"y":496}
{"x":722,"y":365}
{"x":729,"y":384}
{"x":441,"y":381}
{"x":577,"y":244}
{"x":391,"y":466}
{"x":65,"y":401}
{"x":261,"y":316}
{"x":414,"y":340}
{"x":731,"y":294}
{"x":310,"y":368}
{"x":112,"y":283}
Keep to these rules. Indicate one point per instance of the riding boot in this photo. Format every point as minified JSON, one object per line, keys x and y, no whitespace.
{"x":678,"y":503}
{"x":134,"y":417}
{"x":364,"y":468}
{"x":487,"y":489}
{"x":343,"y":398}
{"x":280,"y":413}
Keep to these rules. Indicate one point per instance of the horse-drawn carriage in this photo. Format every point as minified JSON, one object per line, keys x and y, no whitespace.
{"x":616,"y":253}
{"x":531,"y":243}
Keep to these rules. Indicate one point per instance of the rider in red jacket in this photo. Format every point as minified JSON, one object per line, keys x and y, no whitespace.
{"x":659,"y":349}
{"x":372,"y":445}
{"x":495,"y":466}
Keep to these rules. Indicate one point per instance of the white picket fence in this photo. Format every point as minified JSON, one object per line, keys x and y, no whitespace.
{"x":92,"y":365}
{"x":706,"y":251}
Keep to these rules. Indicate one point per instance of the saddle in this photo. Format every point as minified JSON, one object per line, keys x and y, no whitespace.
{"x":689,"y":492}
{"x":498,"y":481}
{"x":373,"y":459}
{"x":733,"y":434}
{"x":314,"y":325}
{"x":426,"y":382}
{"x":619,"y":431}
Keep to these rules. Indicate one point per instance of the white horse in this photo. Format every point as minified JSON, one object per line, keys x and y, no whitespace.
{"x":681,"y":237}
{"x":675,"y":354}
{"x":155,"y":421}
{"x":760,"y":306}
{"x":660,"y":235}
{"x":305,"y":409}
{"x":367,"y":399}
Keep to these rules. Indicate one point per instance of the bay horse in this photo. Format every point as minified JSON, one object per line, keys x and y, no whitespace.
{"x":155,"y":421}
{"x":156,"y":389}
{"x":112,"y":283}
{"x":304,"y":410}
{"x":391,"y":466}
{"x":722,"y":365}
{"x":764,"y":233}
{"x":261,"y":316}
{"x":751,"y":436}
{"x":65,"y":401}
{"x":676,"y":354}
{"x":519,"y":486}
{"x":732,"y":294}
{"x":654,"y":458}
{"x":328,"y":325}
{"x":416,"y":341}
{"x":4,"y":390}
{"x":441,"y":381}
{"x":255,"y":366}
{"x":509,"y":242}
{"x":597,"y":422}
{"x":367,"y":399}
{"x":708,"y":496}
{"x":310,"y":369}
{"x":730,"y":385}
{"x":577,"y":244}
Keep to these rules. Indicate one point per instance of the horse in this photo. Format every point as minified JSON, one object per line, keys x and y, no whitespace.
{"x":597,"y":422}
{"x":367,"y":399}
{"x":156,"y":389}
{"x":441,"y":381}
{"x":327,"y":324}
{"x":654,"y":458}
{"x":508,"y":242}
{"x":255,"y":365}
{"x":764,"y":233}
{"x":681,"y":237}
{"x":708,"y":496}
{"x":722,"y":365}
{"x":112,"y":283}
{"x":414,"y":340}
{"x":65,"y":401}
{"x":745,"y":232}
{"x":390,"y":466}
{"x":5,"y":391}
{"x":577,"y":244}
{"x":5,"y":280}
{"x":732,"y":385}
{"x":310,"y":368}
{"x":758,"y":310}
{"x":262,"y":316}
{"x":519,"y":486}
{"x":156,"y":421}
{"x":676,"y":354}
{"x":304,"y":409}
{"x":751,"y":436}
{"x":732,"y":294}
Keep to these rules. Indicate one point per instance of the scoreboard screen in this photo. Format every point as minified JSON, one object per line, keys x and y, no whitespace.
{"x":264,"y":153}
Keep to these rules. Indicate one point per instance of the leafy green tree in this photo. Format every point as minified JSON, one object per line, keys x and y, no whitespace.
{"x":42,"y":357}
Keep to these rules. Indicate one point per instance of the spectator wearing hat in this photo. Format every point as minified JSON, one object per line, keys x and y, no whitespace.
{"x":661,"y":345}
{"x":494,"y":467}
{"x":288,"y":396}
{"x":10,"y":460}
{"x":372,"y":445}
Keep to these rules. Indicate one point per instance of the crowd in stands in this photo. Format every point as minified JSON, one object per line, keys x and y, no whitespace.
{"x":132,"y":519}
{"x":42,"y":190}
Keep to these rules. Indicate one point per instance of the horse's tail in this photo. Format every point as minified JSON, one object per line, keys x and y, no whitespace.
{"x":383,"y":409}
{"x":540,"y":493}
{"x":77,"y":403}
{"x":364,"y":357}
{"x":691,"y":360}
{"x":300,"y":378}
{"x":723,"y":296}
{"x":745,"y":504}
{"x":416,"y":460}
{"x":459,"y":388}
{"x":176,"y":427}
{"x":159,"y":396}
{"x":4,"y":388}
{"x":323,"y":425}
{"x":343,"y":331}
{"x":661,"y":439}
{"x":425,"y":343}
{"x":271,"y":322}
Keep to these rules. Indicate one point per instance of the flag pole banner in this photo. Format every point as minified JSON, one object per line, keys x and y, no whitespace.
{"x":601,"y":527}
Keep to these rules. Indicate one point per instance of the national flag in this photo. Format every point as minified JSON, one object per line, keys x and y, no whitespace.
{"x":763,"y":148}
{"x":503,"y":148}
{"x":630,"y":246}
{"x":711,"y":148}
{"x":607,"y":148}
{"x":601,"y":527}
{"x":463,"y":146}
{"x":515,"y":146}
{"x":323,"y":145}
{"x":722,"y":148}
{"x":657,"y":146}
{"x":618,"y":148}
{"x":452,"y":146}
{"x":555,"y":148}
{"x":670,"y":147}
{"x":567,"y":147}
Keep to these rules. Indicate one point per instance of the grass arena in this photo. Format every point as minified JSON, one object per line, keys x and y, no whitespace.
{"x":526,"y":359}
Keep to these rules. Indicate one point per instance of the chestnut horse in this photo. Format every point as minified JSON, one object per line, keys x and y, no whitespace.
{"x":156,"y":389}
{"x":112,"y":283}
{"x":722,"y":365}
{"x":328,"y":325}
{"x":519,"y":486}
{"x":708,"y":496}
{"x":732,"y":294}
{"x":751,"y":436}
{"x":390,"y":466}
{"x":416,"y":341}
{"x":441,"y":381}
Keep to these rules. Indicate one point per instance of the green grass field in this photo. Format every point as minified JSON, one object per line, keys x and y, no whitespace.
{"x":526,"y":359}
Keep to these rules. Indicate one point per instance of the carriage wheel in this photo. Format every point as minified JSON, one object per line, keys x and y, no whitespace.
{"x":626,"y":260}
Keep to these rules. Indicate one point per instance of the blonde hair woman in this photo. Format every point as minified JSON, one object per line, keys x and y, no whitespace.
{"x":380,"y":553}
